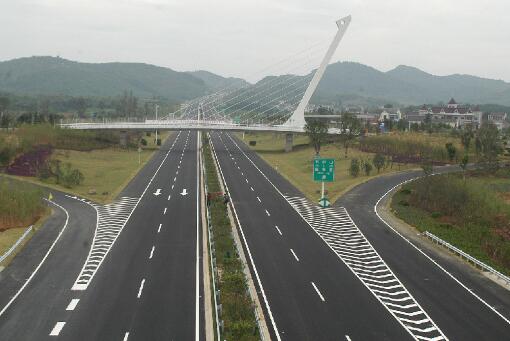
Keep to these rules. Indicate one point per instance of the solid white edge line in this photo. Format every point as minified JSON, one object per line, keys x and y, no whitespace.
{"x":152,"y":252}
{"x":57,"y":328}
{"x":126,"y":336}
{"x":318,"y":292}
{"x":84,"y":286}
{"x":294,"y":254}
{"x":72,"y":305}
{"x":197,"y":275}
{"x":262,"y":291}
{"x":430,"y":258}
{"x":42,"y":261}
{"x":142,"y":283}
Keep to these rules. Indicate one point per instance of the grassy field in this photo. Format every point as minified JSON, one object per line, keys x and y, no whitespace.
{"x":237,"y":307}
{"x":473,"y":215}
{"x":107,"y":171}
{"x":296,"y":166}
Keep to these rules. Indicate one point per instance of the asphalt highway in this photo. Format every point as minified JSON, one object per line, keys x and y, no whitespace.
{"x":307,"y":293}
{"x":315,"y":285}
{"x":132,"y":274}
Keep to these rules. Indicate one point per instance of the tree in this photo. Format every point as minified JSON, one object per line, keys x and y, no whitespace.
{"x":451,"y":150}
{"x":463,"y":164}
{"x":350,"y":128}
{"x":367,"y":167}
{"x":354,"y":169}
{"x":488,"y":145}
{"x":317,"y":131}
{"x":379,"y":161}
{"x":466,"y":138}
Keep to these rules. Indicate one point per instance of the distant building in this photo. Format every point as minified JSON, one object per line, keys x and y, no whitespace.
{"x":500,"y":119}
{"x":452,"y":114}
{"x":390,"y":114}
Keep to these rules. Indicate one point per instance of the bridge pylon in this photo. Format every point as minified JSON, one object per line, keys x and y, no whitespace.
{"x":297,"y":119}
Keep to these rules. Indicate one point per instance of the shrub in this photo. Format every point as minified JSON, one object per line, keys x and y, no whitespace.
{"x":143,"y":142}
{"x":379,"y":161}
{"x":367,"y":167}
{"x":253,"y":143}
{"x":354,"y":169}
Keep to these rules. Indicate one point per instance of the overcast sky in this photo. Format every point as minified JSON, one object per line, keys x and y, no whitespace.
{"x":242,"y":37}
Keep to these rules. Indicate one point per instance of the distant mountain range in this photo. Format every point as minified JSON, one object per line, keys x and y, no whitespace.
{"x":345,"y":82}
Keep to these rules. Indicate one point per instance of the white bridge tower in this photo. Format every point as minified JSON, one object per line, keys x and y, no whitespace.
{"x":298,"y":117}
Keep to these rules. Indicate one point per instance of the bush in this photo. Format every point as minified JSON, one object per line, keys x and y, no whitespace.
{"x":367,"y":167}
{"x":143,"y":142}
{"x":354,"y":169}
{"x":379,"y":161}
{"x":253,"y":143}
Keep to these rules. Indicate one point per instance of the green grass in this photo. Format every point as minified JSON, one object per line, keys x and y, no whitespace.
{"x":473,"y":218}
{"x":296,"y":166}
{"x":238,"y":311}
{"x":20,"y":204}
{"x":107,"y":171}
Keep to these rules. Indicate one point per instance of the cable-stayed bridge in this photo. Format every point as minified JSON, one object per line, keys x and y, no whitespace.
{"x":275,"y":103}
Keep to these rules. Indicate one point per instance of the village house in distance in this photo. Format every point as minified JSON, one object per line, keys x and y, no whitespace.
{"x":452,"y":114}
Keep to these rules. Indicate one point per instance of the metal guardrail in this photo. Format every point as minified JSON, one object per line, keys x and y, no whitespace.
{"x":468,"y":257}
{"x":19,"y":241}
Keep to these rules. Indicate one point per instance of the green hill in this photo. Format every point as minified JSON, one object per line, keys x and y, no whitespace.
{"x":57,"y":76}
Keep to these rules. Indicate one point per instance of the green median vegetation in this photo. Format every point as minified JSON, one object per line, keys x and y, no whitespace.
{"x":471,"y":212}
{"x":237,"y":307}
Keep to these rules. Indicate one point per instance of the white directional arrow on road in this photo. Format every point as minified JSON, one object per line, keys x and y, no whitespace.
{"x":158,"y":192}
{"x":184,"y":192}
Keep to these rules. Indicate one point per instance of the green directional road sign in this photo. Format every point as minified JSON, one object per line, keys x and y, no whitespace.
{"x":323,"y":170}
{"x":324,"y":202}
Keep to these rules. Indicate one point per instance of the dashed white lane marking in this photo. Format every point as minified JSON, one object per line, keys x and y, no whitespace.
{"x":347,"y":338}
{"x":259,"y":199}
{"x":175,"y":178}
{"x":251,"y":189}
{"x":318,"y":292}
{"x":72,"y":304}
{"x":152,"y":252}
{"x":169,"y":197}
{"x":164,"y":211}
{"x":294,"y":254}
{"x":242,"y":173}
{"x":172,"y":186}
{"x":57,"y":329}
{"x":177,"y":173}
{"x":126,"y":336}
{"x":246,"y":180}
{"x":141,"y":288}
{"x":267,"y":212}
{"x":159,"y":228}
{"x":277,"y":229}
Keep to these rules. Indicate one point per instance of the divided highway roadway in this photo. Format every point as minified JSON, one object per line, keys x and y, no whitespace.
{"x":340,"y":273}
{"x":141,"y":279}
{"x":131,"y":270}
